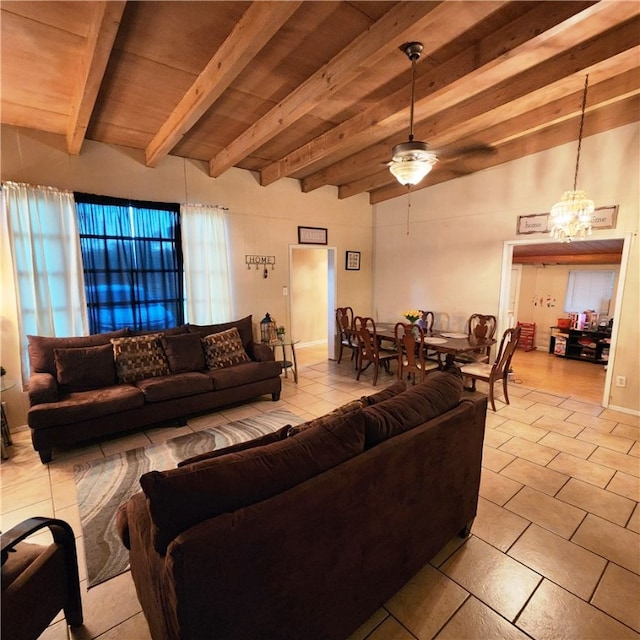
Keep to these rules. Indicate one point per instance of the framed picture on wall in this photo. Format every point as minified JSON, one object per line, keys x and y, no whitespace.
{"x":352,"y":261}
{"x":312,"y":235}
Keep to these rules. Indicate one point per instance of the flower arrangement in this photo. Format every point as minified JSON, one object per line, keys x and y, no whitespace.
{"x":412,"y":315}
{"x":280,"y":331}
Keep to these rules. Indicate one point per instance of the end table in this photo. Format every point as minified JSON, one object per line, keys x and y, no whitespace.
{"x":287,"y":364}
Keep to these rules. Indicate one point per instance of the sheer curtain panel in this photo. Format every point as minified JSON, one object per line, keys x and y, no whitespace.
{"x":46,"y":260}
{"x":206,"y":267}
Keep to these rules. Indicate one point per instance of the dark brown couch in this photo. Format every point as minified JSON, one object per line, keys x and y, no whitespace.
{"x":75,"y":395}
{"x":305,"y":533}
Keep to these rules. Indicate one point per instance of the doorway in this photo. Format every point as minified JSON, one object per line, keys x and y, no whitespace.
{"x":312,"y":295}
{"x":583,"y":248}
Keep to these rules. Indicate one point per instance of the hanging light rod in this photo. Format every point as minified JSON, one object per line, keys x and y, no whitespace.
{"x":571,"y":216}
{"x":411,"y":161}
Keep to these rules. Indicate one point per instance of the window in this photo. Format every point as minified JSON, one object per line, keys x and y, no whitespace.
{"x":589,"y":290}
{"x":132,"y":260}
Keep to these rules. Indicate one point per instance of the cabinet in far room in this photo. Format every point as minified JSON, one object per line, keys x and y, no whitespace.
{"x":591,"y":346}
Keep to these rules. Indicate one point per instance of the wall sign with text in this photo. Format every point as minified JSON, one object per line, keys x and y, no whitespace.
{"x":312,"y":235}
{"x":603,"y":218}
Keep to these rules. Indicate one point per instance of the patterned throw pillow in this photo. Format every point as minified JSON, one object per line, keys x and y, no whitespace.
{"x":139,"y":357}
{"x":224,"y":349}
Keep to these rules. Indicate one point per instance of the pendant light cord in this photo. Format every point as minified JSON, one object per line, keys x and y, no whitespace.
{"x":413,"y":95}
{"x":584,"y":105}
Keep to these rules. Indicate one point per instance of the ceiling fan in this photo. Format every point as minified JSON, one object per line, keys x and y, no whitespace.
{"x":411,"y":161}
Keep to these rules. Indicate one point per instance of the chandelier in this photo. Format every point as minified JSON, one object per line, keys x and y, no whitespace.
{"x":571,"y":216}
{"x":411,"y":161}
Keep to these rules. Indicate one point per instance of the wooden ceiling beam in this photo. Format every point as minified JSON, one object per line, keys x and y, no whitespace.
{"x":612,"y":116}
{"x":475,"y":112}
{"x":456,"y":19}
{"x":260,"y":22}
{"x":93,"y":64}
{"x":513,"y":124}
{"x":389,"y":32}
{"x":534,"y":37}
{"x":577,"y":259}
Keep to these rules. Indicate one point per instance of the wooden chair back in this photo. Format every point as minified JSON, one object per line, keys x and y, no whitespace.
{"x":345,"y":330}
{"x":369,"y":350}
{"x":508,"y":345}
{"x":480,"y":327}
{"x":426,"y":322}
{"x":411,"y":350}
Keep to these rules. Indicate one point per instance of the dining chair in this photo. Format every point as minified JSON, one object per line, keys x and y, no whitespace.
{"x":499,"y":370}
{"x":369,"y":349}
{"x":426,"y":322}
{"x":346,"y":334}
{"x":479,"y":327}
{"x":412,"y":351}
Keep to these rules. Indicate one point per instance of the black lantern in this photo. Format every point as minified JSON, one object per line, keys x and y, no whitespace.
{"x":268,"y":330}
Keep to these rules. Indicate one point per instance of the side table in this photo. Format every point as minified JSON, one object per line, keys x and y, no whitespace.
{"x":5,"y":439}
{"x":287,"y":364}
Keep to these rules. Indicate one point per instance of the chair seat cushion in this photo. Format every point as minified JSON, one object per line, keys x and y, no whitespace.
{"x":480,"y":369}
{"x":244,"y":373}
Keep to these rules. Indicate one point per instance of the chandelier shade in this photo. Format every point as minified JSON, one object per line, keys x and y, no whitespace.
{"x":411,"y":161}
{"x":571,"y":216}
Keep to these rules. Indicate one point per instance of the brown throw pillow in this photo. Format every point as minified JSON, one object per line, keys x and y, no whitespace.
{"x":224,"y":349}
{"x":392,"y":390}
{"x":85,"y":368}
{"x":139,"y":357}
{"x":437,"y":394}
{"x":184,"y":352}
{"x":183,"y":497}
{"x":349,"y":407}
{"x":260,"y":441}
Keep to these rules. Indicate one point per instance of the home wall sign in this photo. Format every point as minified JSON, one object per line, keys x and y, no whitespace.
{"x":312,"y":235}
{"x":603,"y":218}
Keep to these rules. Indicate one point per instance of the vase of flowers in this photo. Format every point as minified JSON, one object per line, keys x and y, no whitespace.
{"x":280,"y":331}
{"x":412,"y":315}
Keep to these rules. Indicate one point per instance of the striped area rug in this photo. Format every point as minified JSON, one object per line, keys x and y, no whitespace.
{"x":104,"y":484}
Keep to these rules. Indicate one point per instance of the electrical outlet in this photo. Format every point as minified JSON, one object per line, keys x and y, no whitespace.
{"x":621,"y":381}
{"x":285,"y":291}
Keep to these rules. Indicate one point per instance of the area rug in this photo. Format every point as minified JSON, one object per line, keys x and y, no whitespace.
{"x":104,"y":484}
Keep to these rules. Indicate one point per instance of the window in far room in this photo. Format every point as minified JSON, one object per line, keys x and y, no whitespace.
{"x":589,"y":290}
{"x":132,"y":262}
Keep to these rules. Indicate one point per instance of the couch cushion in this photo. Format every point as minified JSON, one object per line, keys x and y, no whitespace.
{"x":177,"y":385}
{"x":184,"y":352}
{"x":224,"y":349}
{"x":180,"y":498}
{"x":244,"y":327}
{"x":42,"y":358}
{"x":437,"y":394}
{"x":85,"y":405}
{"x":139,"y":357}
{"x":392,"y":390}
{"x":349,"y":407}
{"x":245,"y":373}
{"x":85,"y":368}
{"x":267,"y":438}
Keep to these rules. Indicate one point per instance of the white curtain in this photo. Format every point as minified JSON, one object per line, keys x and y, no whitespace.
{"x":206,"y":266}
{"x":46,"y":260}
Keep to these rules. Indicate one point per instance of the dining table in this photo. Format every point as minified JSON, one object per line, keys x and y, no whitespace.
{"x":448,"y":343}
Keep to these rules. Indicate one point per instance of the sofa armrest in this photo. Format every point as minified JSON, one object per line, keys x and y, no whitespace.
{"x":43,"y":387}
{"x":262,"y":352}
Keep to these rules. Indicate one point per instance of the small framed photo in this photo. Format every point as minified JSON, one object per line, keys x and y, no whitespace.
{"x":353,"y":261}
{"x":312,"y":235}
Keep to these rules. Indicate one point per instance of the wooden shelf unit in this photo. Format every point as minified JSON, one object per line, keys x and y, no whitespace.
{"x":591,"y":346}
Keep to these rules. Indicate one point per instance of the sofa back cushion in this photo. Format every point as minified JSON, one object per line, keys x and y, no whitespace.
{"x":184,"y":352}
{"x":244,"y":327}
{"x":224,"y":349}
{"x":42,"y":358}
{"x":440,"y":392}
{"x":85,"y":368}
{"x":139,"y":357}
{"x":389,"y":392}
{"x":182,"y":497}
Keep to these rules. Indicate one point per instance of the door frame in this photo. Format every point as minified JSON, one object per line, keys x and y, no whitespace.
{"x":332,"y":278}
{"x":507,"y":262}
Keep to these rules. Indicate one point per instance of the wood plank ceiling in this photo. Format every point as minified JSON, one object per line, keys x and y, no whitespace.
{"x":319,"y":91}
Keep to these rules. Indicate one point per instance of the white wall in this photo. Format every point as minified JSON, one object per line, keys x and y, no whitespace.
{"x":261,"y":220}
{"x":451,"y":260}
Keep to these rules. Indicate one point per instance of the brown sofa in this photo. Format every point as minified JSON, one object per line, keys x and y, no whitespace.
{"x":305,"y":533}
{"x":80,"y":388}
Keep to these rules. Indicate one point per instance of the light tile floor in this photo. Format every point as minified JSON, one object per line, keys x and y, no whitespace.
{"x":554,"y":550}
